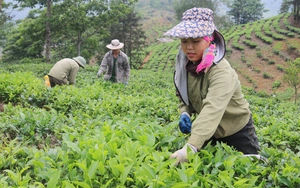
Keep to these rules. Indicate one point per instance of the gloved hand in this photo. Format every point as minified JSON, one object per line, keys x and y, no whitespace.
{"x":125,"y":83}
{"x":99,"y":73}
{"x":257,"y":156}
{"x":185,"y":123}
{"x":181,"y":155}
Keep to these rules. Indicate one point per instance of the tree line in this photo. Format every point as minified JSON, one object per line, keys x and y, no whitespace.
{"x":56,"y":29}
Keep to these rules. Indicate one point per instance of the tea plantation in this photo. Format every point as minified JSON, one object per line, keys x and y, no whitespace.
{"x":99,"y":134}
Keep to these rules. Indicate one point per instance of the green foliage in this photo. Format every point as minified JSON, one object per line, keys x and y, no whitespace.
{"x":22,"y":91}
{"x":129,"y":31}
{"x":271,"y":62}
{"x":246,"y":11}
{"x":222,"y":21}
{"x":291,"y":4}
{"x":267,"y":75}
{"x":280,"y":67}
{"x":4,"y":13}
{"x":25,"y":41}
{"x":292,"y":75}
{"x":276,"y":84}
{"x":250,"y":43}
{"x":181,"y":6}
{"x":4,"y":30}
{"x":76,"y":28}
{"x":98,"y":134}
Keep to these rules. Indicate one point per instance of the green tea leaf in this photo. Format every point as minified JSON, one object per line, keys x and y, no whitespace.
{"x":52,"y":183}
{"x":92,"y":169}
{"x":226,"y":178}
{"x":125,"y":174}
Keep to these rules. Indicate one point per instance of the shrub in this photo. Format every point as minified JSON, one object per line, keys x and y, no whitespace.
{"x":271,"y":62}
{"x":266,"y":75}
{"x":276,"y":84}
{"x":280,"y":67}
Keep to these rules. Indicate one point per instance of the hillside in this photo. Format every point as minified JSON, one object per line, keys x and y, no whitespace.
{"x":258,"y":51}
{"x":156,"y":17}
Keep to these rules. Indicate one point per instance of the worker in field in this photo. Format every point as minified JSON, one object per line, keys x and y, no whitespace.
{"x":65,"y":71}
{"x":209,"y":89}
{"x":115,"y":64}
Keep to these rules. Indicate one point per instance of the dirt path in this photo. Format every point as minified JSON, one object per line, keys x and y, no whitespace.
{"x":146,"y":60}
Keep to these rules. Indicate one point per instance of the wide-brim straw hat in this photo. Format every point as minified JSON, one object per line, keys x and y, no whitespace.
{"x":115,"y":44}
{"x":196,"y":23}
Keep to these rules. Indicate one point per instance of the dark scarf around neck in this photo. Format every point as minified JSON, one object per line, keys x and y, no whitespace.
{"x":191,"y":68}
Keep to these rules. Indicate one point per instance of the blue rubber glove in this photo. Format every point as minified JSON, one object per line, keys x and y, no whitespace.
{"x":185,"y":123}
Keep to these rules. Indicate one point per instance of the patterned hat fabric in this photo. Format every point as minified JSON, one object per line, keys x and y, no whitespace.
{"x":195,"y":23}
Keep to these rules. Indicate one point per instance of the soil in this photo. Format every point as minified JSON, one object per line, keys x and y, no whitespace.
{"x":1,"y":107}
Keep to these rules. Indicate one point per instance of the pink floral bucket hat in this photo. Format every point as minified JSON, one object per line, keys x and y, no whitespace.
{"x":198,"y":22}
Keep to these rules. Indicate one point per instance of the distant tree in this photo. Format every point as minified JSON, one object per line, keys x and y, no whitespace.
{"x":222,"y":21}
{"x":285,"y":6}
{"x":245,"y":11}
{"x":180,"y":6}
{"x":292,"y":76}
{"x":25,"y":41}
{"x":79,"y":21}
{"x":295,"y":5}
{"x":41,"y":4}
{"x":129,"y":30}
{"x":5,"y":30}
{"x":4,"y":16}
{"x":74,"y":23}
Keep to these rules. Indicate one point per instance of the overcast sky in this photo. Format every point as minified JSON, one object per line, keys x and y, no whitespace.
{"x":272,"y":5}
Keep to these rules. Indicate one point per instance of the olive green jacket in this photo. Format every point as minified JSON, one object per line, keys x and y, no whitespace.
{"x":216,"y":100}
{"x":65,"y":70}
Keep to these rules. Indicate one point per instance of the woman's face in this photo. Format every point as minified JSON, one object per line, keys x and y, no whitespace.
{"x":193,"y":48}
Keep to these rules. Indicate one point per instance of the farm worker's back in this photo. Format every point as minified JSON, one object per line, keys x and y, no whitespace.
{"x":65,"y":71}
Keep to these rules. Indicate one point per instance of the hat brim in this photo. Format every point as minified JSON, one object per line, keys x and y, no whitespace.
{"x":79,"y":62}
{"x":191,"y":29}
{"x":110,"y":46}
{"x":220,"y":45}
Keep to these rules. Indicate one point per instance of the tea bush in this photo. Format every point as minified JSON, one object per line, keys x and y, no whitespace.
{"x":99,"y":134}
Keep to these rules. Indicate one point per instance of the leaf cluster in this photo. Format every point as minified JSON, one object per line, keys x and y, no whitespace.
{"x":243,"y":12}
{"x":115,"y":135}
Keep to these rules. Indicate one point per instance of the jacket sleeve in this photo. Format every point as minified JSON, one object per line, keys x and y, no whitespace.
{"x":185,"y":108}
{"x":73,"y":73}
{"x":221,"y":89}
{"x":104,"y":63}
{"x":126,"y":68}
